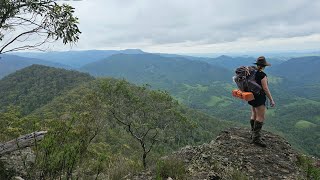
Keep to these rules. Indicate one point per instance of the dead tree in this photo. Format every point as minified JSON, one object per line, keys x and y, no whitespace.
{"x":21,"y":142}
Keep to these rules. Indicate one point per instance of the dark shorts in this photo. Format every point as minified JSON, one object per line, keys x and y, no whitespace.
{"x":258,"y":100}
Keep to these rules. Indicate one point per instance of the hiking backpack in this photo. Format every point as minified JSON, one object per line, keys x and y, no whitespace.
{"x":245,"y":79}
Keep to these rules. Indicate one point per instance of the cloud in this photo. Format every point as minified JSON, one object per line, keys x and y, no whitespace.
{"x":148,"y":24}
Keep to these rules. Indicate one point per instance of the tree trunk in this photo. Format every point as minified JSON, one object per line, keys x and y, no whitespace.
{"x":144,"y":160}
{"x":21,"y":142}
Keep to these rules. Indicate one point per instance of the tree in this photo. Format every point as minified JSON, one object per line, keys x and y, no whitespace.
{"x":22,"y":20}
{"x":147,"y":115}
{"x":64,"y":149}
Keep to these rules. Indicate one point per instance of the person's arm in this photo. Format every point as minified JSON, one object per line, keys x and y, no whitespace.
{"x":264,"y":83}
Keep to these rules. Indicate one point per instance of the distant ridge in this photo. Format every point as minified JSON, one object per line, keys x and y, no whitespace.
{"x":12,"y":63}
{"x":302,"y":69}
{"x":234,"y":62}
{"x":77,"y":59}
{"x":147,"y":68}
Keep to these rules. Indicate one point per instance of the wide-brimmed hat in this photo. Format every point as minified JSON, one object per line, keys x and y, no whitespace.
{"x":262,"y":61}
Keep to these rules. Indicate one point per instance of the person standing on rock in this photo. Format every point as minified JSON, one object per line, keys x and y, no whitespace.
{"x":258,"y":105}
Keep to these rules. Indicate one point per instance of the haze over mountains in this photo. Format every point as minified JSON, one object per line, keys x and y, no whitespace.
{"x":144,"y":65}
{"x":77,"y":59}
{"x":141,"y":68}
{"x":12,"y":63}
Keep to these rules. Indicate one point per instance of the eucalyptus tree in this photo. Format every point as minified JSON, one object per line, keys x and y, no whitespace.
{"x":148,"y":116}
{"x":29,"y":24}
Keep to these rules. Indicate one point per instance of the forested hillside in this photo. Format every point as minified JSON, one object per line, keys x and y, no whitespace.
{"x":97,"y":127}
{"x":36,"y":85}
{"x":141,"y":90}
{"x":105,"y":118}
{"x":200,"y":89}
{"x":300,"y":76}
{"x":301,"y":70}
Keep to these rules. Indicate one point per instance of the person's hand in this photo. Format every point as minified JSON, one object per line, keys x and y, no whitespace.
{"x":272,"y":103}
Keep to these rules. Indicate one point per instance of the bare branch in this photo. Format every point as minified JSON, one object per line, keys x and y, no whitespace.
{"x":114,"y":115}
{"x":153,"y":142}
{"x":14,"y":39}
{"x":134,"y":135}
{"x":43,"y":18}
{"x":35,"y":46}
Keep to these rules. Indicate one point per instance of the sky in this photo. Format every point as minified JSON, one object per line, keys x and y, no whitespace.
{"x":197,"y":26}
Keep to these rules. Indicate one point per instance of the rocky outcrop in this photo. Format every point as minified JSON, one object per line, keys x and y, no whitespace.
{"x":16,"y":156}
{"x":231,"y":156}
{"x":18,"y":162}
{"x":21,"y":142}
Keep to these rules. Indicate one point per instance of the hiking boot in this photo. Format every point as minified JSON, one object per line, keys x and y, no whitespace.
{"x":252,"y":127}
{"x":256,"y":139}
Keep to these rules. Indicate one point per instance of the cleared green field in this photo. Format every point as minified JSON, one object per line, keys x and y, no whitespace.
{"x":302,"y":124}
{"x":270,"y":112}
{"x":300,"y":101}
{"x":229,"y":87}
{"x":274,"y":80}
{"x":317,"y":118}
{"x":221,"y":101}
{"x":198,"y":87}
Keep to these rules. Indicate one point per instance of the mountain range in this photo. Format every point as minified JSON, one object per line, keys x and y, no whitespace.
{"x":150,"y":68}
{"x":72,"y":105}
{"x":76,"y":59}
{"x":12,"y":63}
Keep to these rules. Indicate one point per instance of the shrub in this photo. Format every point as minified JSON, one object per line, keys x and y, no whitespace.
{"x":308,"y":165}
{"x":170,"y":167}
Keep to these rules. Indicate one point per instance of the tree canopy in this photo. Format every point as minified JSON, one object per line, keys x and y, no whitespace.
{"x":29,"y":24}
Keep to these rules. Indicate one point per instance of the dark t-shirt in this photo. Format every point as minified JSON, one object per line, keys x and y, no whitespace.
{"x":259,"y":76}
{"x":261,"y":98}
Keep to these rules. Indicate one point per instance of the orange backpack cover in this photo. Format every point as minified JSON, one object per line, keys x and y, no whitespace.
{"x":247,"y":96}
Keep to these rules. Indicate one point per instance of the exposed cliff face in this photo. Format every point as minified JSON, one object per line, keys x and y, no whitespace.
{"x":231,"y":156}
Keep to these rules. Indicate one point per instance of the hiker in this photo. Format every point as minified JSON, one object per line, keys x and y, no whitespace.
{"x":258,"y":105}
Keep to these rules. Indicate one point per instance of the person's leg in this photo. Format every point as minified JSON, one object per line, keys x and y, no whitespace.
{"x":252,"y":119}
{"x":260,"y":117}
{"x":253,"y":113}
{"x":260,"y":113}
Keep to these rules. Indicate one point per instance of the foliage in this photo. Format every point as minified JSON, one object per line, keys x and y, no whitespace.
{"x":296,"y":92}
{"x":46,"y":19}
{"x":308,"y":165}
{"x":69,"y":142}
{"x":122,"y":167}
{"x":9,"y":124}
{"x":146,"y":115}
{"x":35,"y":86}
{"x":5,"y":173}
{"x":170,"y":167}
{"x":84,"y":140}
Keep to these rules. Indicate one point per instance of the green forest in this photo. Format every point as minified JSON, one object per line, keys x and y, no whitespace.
{"x":122,"y":114}
{"x":96,"y":125}
{"x":207,"y":88}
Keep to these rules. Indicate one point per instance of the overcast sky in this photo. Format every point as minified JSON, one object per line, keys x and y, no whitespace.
{"x":198,"y":26}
